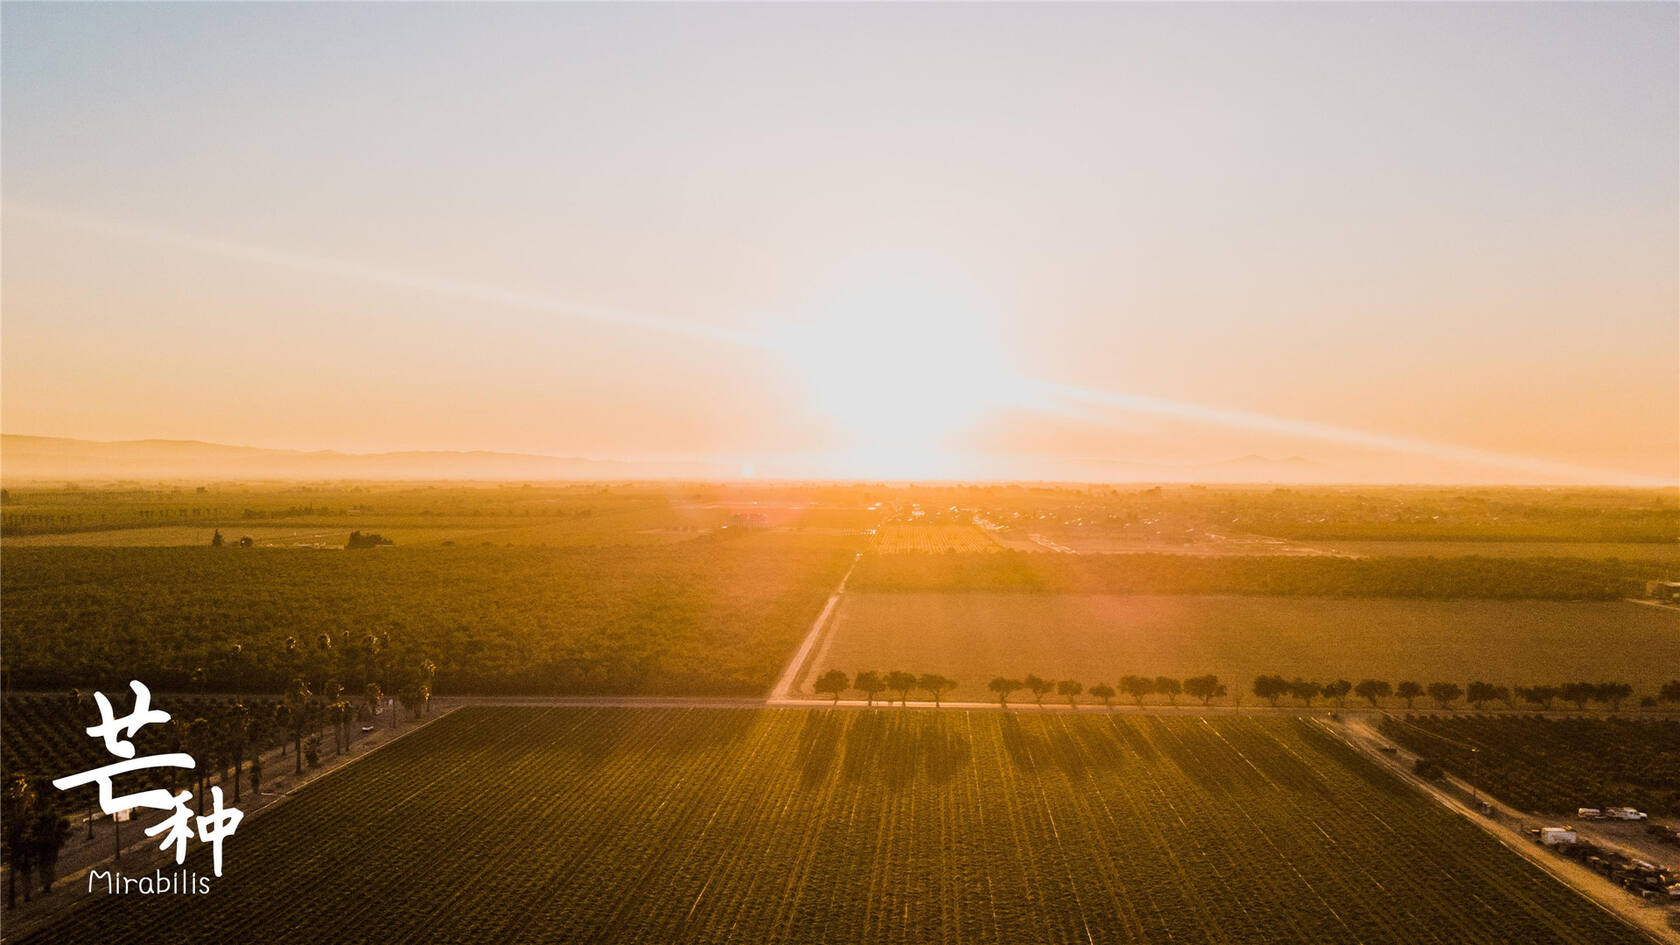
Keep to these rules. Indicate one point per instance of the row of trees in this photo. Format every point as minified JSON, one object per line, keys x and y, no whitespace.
{"x":1205,"y":688}
{"x":1270,"y":688}
{"x":872,"y":684}
{"x":1447,"y":694}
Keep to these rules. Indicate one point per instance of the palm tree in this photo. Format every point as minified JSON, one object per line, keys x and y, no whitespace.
{"x":428,"y":672}
{"x":47,"y":834}
{"x":237,"y":732}
{"x":370,"y":657}
{"x":330,"y":693}
{"x":256,"y":770}
{"x":297,"y":716}
{"x":289,"y":653}
{"x":324,"y":652}
{"x":198,"y":746}
{"x":412,"y":697}
{"x":372,"y":695}
{"x":257,"y":727}
{"x":21,"y":801}
{"x":236,"y":669}
{"x":341,"y":714}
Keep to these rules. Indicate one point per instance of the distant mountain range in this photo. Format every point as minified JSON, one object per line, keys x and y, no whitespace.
{"x":60,"y":459}
{"x":54,"y":459}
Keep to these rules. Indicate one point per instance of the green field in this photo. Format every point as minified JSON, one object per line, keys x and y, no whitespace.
{"x":763,"y":826}
{"x":1419,"y":576}
{"x":321,"y":535}
{"x":556,"y":513}
{"x":717,"y":615}
{"x":973,"y":637}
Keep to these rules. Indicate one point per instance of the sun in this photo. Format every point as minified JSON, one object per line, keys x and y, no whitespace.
{"x":896,"y":372}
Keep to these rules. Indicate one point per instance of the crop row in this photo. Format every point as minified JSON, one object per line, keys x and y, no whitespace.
{"x":1554,"y":766}
{"x":716,"y":825}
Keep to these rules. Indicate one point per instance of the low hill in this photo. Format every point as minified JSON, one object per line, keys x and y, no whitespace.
{"x":60,"y":459}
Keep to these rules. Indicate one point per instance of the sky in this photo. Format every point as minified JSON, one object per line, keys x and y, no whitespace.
{"x":1382,"y":242}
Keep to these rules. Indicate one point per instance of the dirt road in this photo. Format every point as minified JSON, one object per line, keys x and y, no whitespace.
{"x":789,"y":680}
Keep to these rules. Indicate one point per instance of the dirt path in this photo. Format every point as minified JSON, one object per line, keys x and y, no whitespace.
{"x":1660,"y":920}
{"x":789,"y":680}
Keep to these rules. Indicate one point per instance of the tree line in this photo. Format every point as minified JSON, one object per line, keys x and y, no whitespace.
{"x":1445,"y":695}
{"x":1272,"y":688}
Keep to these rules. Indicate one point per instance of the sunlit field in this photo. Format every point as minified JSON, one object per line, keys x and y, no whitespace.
{"x":714,"y":826}
{"x":974,"y":637}
{"x":712,"y":616}
{"x":1666,"y":554}
{"x":840,"y":473}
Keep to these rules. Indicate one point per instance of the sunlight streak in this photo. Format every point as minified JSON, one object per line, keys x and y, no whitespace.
{"x":873,"y":376}
{"x":392,"y":278}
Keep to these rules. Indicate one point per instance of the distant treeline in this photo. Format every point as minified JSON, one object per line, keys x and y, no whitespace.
{"x":1422,"y":577}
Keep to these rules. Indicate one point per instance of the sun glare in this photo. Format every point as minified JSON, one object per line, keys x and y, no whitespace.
{"x":895,"y":371}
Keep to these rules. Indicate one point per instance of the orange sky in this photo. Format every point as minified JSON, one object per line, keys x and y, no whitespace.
{"x":1399,"y":242}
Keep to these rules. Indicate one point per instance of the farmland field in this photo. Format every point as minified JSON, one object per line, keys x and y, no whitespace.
{"x":1270,"y":575}
{"x":716,"y":616}
{"x":262,"y":536}
{"x":759,"y":826}
{"x":1667,"y":553}
{"x":973,"y":637}
{"x":1554,"y":766}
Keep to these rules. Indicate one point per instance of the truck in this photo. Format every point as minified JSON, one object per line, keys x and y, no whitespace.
{"x":1557,"y":836}
{"x":1624,"y":813}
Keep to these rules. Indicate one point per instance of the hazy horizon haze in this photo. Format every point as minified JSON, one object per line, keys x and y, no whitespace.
{"x":1415,"y":242}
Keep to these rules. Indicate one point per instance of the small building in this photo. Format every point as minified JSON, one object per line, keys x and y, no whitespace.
{"x":1663,"y":590}
{"x":1557,"y":836}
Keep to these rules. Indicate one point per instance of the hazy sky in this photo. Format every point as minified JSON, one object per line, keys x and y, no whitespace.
{"x":1430,"y":241}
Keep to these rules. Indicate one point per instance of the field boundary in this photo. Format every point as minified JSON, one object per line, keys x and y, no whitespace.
{"x":791,"y":676}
